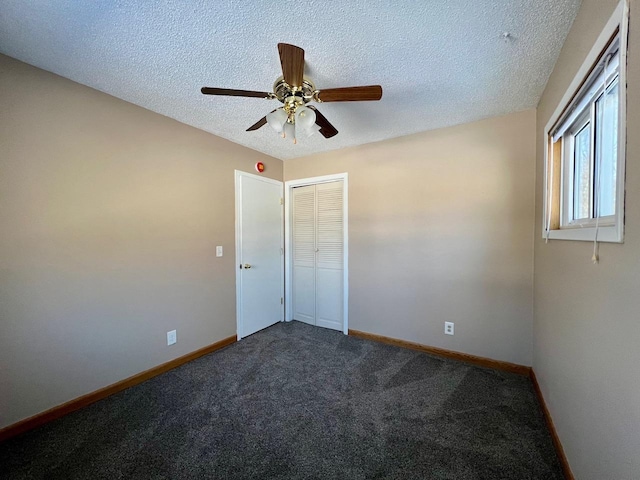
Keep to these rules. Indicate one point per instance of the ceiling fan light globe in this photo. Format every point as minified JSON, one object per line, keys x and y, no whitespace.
{"x":307,"y":132}
{"x":289,"y":131}
{"x":277,"y":119}
{"x":305,"y":118}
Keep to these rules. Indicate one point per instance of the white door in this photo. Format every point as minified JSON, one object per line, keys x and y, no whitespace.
{"x":259,"y":253}
{"x":318,"y":254}
{"x":329,"y":255}
{"x":304,"y":253}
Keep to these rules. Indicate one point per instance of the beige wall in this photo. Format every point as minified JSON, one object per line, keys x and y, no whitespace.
{"x":441,"y":229}
{"x":110,"y":215}
{"x":587,"y":317}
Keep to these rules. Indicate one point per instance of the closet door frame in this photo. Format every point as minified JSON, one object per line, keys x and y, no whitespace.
{"x":288,"y":260}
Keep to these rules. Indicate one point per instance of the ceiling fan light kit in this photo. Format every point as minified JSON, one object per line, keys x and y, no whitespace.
{"x":277,"y":119}
{"x":295,"y":118}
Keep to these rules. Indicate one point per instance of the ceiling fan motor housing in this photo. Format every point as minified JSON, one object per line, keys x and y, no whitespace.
{"x":293,"y":97}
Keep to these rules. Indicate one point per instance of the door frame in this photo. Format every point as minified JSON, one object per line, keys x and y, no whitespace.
{"x":288,"y":261}
{"x":238,"y":242}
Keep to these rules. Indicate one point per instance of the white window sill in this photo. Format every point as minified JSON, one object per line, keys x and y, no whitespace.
{"x":610,"y":234}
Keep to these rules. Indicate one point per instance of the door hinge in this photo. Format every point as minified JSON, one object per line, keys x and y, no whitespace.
{"x":281,"y":300}
{"x":281,"y":201}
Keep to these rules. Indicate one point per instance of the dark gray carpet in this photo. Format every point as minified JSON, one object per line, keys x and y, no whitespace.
{"x":294,"y":402}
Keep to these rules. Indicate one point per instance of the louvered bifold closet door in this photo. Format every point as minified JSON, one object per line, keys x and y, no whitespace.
{"x":304,"y":254}
{"x":329,"y":256}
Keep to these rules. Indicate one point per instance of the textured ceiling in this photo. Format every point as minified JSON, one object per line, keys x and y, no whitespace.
{"x":440,"y":62}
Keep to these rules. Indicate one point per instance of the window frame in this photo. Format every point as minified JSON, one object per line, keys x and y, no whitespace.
{"x":567,"y":219}
{"x":558,"y":202}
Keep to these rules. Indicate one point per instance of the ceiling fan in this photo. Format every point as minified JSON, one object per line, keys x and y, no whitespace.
{"x":295,"y":91}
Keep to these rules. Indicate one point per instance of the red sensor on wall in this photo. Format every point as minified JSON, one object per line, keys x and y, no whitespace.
{"x":260,"y":167}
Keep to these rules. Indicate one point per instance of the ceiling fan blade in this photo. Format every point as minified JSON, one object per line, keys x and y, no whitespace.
{"x":326,"y":129}
{"x":292,"y":61}
{"x":235,"y":93}
{"x":351,"y":94}
{"x":259,"y":123}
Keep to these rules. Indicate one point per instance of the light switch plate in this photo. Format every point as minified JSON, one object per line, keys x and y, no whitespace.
{"x":219,"y":251}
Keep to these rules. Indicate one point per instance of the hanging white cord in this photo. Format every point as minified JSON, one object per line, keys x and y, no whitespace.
{"x":595,"y":258}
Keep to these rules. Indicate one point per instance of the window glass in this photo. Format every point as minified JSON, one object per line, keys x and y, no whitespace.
{"x":607,"y":119}
{"x":581,"y":174}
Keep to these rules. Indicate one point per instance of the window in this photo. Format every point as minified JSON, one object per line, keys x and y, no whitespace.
{"x":585,"y":151}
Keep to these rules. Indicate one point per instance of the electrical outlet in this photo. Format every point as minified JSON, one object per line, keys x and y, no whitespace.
{"x":219,"y":251}
{"x":448,"y":328}
{"x":172,"y":337}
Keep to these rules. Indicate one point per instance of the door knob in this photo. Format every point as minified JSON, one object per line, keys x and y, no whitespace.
{"x":246,"y":266}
